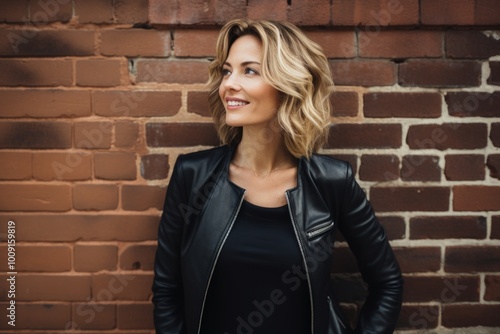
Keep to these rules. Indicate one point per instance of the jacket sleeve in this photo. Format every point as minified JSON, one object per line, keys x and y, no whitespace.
{"x":167,"y":283}
{"x":376,"y":261}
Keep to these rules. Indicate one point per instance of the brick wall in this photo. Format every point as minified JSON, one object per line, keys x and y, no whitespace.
{"x":98,"y":97}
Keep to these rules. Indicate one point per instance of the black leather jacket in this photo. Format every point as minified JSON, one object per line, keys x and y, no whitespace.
{"x":201,"y":206}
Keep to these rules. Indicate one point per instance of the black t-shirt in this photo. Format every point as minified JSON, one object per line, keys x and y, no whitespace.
{"x":259,"y":285}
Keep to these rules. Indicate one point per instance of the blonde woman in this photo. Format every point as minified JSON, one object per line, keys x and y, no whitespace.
{"x":245,"y":240}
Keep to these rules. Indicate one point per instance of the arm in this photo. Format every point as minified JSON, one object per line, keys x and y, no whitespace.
{"x":378,"y":266}
{"x":167,"y":283}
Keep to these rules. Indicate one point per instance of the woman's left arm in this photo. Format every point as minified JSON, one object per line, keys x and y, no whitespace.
{"x":376,"y":261}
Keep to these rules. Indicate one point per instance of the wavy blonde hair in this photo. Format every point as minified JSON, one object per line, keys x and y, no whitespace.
{"x":292,"y":64}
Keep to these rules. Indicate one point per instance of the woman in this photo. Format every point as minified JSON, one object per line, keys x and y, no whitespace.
{"x":245,"y":240}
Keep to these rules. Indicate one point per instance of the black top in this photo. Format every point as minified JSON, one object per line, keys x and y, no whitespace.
{"x":259,"y":284}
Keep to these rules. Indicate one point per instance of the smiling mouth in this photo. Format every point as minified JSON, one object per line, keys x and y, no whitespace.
{"x":236,"y":103}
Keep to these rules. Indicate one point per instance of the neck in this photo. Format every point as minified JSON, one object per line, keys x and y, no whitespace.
{"x":262,"y":149}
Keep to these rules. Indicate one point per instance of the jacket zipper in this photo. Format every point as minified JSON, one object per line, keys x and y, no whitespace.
{"x":321,"y":229}
{"x":304,"y":259}
{"x":216,"y":259}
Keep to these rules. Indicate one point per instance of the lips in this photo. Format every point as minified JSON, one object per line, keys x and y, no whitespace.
{"x":235,"y":102}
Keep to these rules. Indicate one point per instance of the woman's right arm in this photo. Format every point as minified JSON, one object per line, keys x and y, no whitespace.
{"x":167,"y":283}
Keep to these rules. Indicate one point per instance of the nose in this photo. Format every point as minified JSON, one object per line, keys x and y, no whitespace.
{"x":231,"y":82}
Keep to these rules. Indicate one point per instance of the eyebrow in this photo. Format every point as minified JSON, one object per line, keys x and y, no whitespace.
{"x":245,"y":63}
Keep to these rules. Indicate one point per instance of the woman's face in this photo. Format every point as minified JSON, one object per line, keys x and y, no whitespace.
{"x":248,"y":99}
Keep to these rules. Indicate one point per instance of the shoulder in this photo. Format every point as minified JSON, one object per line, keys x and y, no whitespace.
{"x":208,"y":156}
{"x":326,"y":167}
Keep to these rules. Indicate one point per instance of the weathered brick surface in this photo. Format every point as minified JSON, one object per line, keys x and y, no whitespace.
{"x":446,"y":227}
{"x":418,"y":105}
{"x":98,"y":98}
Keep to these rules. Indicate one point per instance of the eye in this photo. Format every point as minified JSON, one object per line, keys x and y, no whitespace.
{"x":225,"y":72}
{"x":250,"y":70}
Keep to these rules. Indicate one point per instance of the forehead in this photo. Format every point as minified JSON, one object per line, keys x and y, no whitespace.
{"x":245,"y":48}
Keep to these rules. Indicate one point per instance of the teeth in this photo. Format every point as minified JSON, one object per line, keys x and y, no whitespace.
{"x":235,"y":103}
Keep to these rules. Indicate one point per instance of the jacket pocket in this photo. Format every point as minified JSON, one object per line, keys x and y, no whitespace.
{"x":320,"y":229}
{"x":336,"y":324}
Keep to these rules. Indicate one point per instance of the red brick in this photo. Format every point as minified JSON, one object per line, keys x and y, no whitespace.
{"x":95,"y":197}
{"x":495,"y":227}
{"x":126,"y":134}
{"x":172,"y":71}
{"x":135,"y":43}
{"x":471,"y":44}
{"x":92,"y":315}
{"x":495,"y":134}
{"x":136,"y":103}
{"x":493,"y":164}
{"x":448,"y":135}
{"x":419,"y":317}
{"x":180,"y":135}
{"x":389,"y":199}
{"x":419,"y":259}
{"x":197,"y":103}
{"x":95,"y":258}
{"x":476,"y":198}
{"x":344,"y":104}
{"x":195,"y":12}
{"x":35,"y":135}
{"x":50,"y":11}
{"x":46,"y":316}
{"x":54,"y":258}
{"x":195,"y":42}
{"x":335,"y":44}
{"x":31,"y":42}
{"x":140,"y":198}
{"x":49,"y":103}
{"x":447,"y":12}
{"x":309,"y":12}
{"x":53,"y":287}
{"x":107,"y":287}
{"x":267,"y":10}
{"x":154,"y":166}
{"x":448,"y":227}
{"x":375,"y":13}
{"x":90,"y":227}
{"x":131,"y":11}
{"x":93,"y":135}
{"x":363,"y":72}
{"x":135,"y":316}
{"x":98,"y":72}
{"x":36,"y":72}
{"x":420,"y":168}
{"x":62,"y":166}
{"x":15,"y":166}
{"x":485,"y":14}
{"x":473,"y":104}
{"x":400,"y":44}
{"x":472,"y":259}
{"x":94,"y":11}
{"x":35,"y":197}
{"x":494,"y":78}
{"x":470,"y":315}
{"x":394,"y":227}
{"x":13,"y":11}
{"x":379,"y":167}
{"x":138,"y":257}
{"x":364,"y":136}
{"x":440,"y":73}
{"x":417,"y":105}
{"x":464,"y":167}
{"x":492,"y":292}
{"x":115,"y":166}
{"x":443,"y":289}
